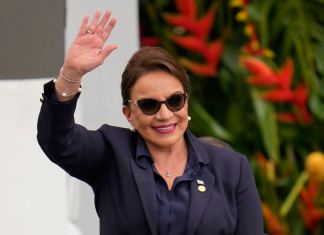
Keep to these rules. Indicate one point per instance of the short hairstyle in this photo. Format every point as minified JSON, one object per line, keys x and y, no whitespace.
{"x":150,"y":59}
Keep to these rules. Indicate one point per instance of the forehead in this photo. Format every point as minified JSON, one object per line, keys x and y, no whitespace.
{"x":157,"y":84}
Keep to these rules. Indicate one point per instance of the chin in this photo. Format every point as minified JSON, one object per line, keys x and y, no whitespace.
{"x":166,"y":141}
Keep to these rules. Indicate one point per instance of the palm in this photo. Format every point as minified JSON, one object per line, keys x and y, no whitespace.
{"x":84,"y":53}
{"x":87,"y":50}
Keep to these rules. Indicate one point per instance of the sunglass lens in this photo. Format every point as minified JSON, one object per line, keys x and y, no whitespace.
{"x":176,"y":102}
{"x":149,"y":106}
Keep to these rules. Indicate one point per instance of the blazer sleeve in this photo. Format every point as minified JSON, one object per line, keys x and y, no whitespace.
{"x":249,"y":215}
{"x":77,"y":150}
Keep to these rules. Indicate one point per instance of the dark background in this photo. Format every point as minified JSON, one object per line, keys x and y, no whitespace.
{"x":31,"y":38}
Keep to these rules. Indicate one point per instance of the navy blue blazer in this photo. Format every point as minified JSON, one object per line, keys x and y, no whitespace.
{"x":125,"y":197}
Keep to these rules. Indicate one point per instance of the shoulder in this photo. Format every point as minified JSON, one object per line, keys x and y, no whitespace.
{"x":216,"y":152}
{"x":114,"y":132}
{"x":222,"y":161}
{"x":223,"y":158}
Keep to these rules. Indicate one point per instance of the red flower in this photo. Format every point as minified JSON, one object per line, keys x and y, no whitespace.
{"x":204,"y":25}
{"x":181,"y":20}
{"x":300,"y":100}
{"x":192,"y":43}
{"x":285,"y":74}
{"x":279,"y":96}
{"x":213,"y":52}
{"x":187,"y":8}
{"x":287,"y":117}
{"x":311,"y":214}
{"x":272,"y":221}
{"x":263,"y":74}
{"x":198,"y":68}
{"x":197,"y":40}
{"x":188,"y":20}
{"x":281,"y":91}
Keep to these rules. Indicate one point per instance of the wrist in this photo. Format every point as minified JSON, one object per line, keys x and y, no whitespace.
{"x":66,"y":91}
{"x":71,"y":75}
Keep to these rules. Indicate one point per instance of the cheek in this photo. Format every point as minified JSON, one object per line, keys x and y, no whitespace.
{"x":141,"y":120}
{"x":183,"y":117}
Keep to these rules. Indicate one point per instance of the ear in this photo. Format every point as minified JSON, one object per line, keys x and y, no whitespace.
{"x":127,"y":113}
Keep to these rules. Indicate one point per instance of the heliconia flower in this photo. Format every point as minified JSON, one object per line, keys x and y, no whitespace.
{"x":271,"y":220}
{"x":214,"y":51}
{"x":191,"y":43}
{"x":256,"y":66}
{"x":187,"y":8}
{"x":311,"y":214}
{"x":197,"y":40}
{"x":287,"y":117}
{"x":198,"y":68}
{"x":285,"y":74}
{"x":205,"y":24}
{"x":298,"y":97}
{"x":199,"y":27}
{"x":279,"y":96}
{"x":300,"y":100}
{"x":263,"y":74}
{"x":181,"y":21}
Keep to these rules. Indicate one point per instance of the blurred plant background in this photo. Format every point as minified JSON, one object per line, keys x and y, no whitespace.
{"x":257,"y":82}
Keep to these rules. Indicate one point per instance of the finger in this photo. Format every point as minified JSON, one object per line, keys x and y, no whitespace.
{"x":93,"y":25}
{"x":103,"y":22}
{"x":105,"y":34}
{"x":83,"y":27}
{"x":107,"y":50}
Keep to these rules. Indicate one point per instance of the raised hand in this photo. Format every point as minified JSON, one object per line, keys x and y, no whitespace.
{"x":88,"y":50}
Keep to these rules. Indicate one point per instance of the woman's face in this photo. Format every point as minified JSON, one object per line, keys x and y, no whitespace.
{"x":164,"y":129}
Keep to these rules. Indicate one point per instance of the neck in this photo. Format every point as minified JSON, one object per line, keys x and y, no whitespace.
{"x":170,"y":162}
{"x":170,"y":154}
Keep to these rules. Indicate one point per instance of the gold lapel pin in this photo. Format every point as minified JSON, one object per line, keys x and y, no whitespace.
{"x":201,"y":186}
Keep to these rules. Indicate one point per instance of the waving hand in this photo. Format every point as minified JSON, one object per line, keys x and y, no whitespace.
{"x":88,"y":50}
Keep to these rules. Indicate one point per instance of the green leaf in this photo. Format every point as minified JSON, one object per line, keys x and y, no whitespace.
{"x":317,"y":106}
{"x":206,"y":124}
{"x":266,"y":119}
{"x":319,"y":57}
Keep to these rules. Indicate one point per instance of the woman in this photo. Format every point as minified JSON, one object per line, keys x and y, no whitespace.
{"x":159,"y":178}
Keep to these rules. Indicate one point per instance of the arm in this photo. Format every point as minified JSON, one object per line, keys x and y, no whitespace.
{"x":78,"y":151}
{"x":249,"y":215}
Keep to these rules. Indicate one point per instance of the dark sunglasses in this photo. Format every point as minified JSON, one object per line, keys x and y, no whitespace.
{"x":151,"y":106}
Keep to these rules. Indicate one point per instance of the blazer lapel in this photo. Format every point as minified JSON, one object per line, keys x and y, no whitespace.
{"x":146,"y":187}
{"x":198,"y":201}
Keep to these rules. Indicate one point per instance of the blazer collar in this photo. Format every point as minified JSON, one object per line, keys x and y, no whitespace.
{"x":146,"y":187}
{"x":197,"y":147}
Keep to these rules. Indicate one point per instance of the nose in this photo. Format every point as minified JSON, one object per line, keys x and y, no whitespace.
{"x":164,"y":113}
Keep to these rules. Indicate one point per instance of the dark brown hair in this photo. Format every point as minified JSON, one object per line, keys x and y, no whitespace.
{"x":150,"y":59}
